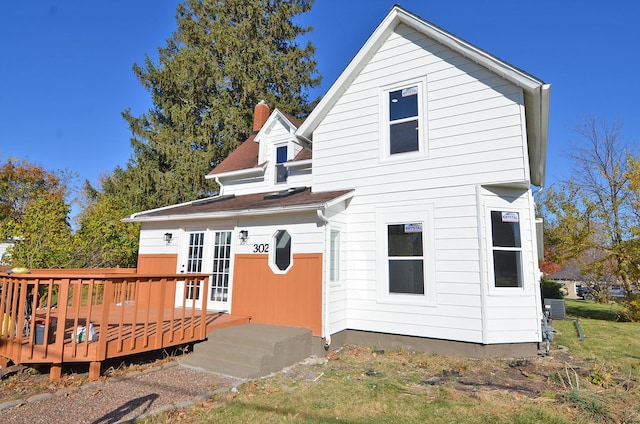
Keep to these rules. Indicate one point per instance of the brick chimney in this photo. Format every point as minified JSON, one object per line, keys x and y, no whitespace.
{"x":260,"y":115}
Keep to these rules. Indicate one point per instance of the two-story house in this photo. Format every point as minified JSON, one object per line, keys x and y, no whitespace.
{"x":399,"y":212}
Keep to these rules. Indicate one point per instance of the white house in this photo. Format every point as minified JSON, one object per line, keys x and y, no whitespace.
{"x":399,"y":212}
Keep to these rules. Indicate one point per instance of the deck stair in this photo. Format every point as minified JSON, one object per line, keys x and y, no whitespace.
{"x":251,"y":350}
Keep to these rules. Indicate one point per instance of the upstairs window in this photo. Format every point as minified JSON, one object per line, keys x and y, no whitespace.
{"x":507,"y":248}
{"x":404,"y":122}
{"x":281,"y":158}
{"x":402,"y":118}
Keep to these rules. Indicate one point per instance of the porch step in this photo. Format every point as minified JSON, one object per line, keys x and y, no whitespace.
{"x":251,"y":350}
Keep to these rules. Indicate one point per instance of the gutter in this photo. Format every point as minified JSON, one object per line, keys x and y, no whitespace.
{"x":246,"y":173}
{"x":309,"y":207}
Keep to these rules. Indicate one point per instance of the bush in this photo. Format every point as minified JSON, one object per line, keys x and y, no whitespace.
{"x":551,"y":289}
{"x":631,"y":309}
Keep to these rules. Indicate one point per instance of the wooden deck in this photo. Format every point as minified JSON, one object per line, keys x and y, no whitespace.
{"x":129,"y":314}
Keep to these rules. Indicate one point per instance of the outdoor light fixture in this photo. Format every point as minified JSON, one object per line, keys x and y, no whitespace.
{"x":167,"y":237}
{"x":244,"y":235}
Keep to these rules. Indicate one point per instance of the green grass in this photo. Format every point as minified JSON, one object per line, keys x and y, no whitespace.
{"x":594,"y":380}
{"x":589,"y":309}
{"x":608,"y":345}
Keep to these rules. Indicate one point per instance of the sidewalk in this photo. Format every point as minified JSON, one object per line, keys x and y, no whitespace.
{"x":118,"y":399}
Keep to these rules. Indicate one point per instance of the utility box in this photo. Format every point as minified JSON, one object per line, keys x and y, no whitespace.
{"x":557,"y":308}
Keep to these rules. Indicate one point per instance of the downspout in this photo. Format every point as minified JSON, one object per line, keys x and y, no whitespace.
{"x":220,"y":186}
{"x":325,"y":291}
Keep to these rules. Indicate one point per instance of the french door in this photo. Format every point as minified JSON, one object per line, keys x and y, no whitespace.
{"x":207,"y":252}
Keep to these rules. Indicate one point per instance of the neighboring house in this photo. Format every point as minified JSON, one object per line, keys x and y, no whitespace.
{"x":400,"y":210}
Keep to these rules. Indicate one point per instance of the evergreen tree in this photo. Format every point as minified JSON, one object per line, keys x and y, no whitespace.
{"x":224,"y":57}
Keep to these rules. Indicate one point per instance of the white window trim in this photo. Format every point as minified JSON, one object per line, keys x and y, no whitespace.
{"x":525,"y":287}
{"x":272,"y":253}
{"x":401,"y":215}
{"x":423,"y":150}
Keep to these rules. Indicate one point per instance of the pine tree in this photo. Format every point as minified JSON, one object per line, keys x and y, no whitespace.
{"x":224,"y":57}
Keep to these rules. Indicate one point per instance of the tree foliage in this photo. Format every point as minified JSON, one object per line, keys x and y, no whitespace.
{"x":223,"y":58}
{"x":35,"y":215}
{"x":591,"y":218}
{"x":103,"y":240}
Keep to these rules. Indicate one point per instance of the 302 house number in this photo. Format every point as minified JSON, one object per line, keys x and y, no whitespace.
{"x":261,"y":248}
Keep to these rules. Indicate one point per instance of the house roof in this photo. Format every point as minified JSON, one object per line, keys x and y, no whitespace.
{"x":245,"y":157}
{"x":291,"y":200}
{"x":536,"y":92}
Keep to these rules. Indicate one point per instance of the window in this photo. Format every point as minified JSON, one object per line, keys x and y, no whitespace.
{"x":334,"y":256}
{"x":281,"y":259}
{"x":281,"y":158}
{"x":507,"y":249}
{"x":404,"y":122}
{"x":194,"y":263}
{"x":405,"y":258}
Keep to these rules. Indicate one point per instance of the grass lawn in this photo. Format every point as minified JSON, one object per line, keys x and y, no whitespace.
{"x":596,"y":380}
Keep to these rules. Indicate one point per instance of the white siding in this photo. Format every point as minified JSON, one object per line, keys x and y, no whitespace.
{"x":475,"y":135}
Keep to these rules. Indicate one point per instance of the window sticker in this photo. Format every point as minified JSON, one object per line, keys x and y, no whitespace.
{"x":412,"y":228}
{"x":411,"y":91}
{"x":510,"y":217}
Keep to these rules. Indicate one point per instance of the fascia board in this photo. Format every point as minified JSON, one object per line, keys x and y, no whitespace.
{"x":241,"y":173}
{"x":275,"y":115}
{"x":298,"y":163}
{"x":133,"y":216}
{"x":229,"y":214}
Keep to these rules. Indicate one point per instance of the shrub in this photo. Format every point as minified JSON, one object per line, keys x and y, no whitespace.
{"x":631,"y":309}
{"x":551,"y":289}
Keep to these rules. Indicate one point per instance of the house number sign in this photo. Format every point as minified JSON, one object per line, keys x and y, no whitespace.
{"x":261,"y":248}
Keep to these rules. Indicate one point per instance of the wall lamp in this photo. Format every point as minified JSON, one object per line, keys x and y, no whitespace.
{"x":167,"y":237}
{"x":244,"y":235}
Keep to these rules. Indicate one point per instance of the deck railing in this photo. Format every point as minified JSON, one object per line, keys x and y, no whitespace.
{"x":87,"y":317}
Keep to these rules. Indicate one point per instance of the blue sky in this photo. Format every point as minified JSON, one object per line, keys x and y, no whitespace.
{"x":66,"y":71}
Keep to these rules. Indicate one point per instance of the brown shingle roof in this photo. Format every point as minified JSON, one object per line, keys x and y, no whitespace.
{"x":303,"y":154}
{"x":293,"y":197}
{"x":245,"y":156}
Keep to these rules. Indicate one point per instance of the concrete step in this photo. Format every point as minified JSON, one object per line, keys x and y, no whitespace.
{"x":234,"y":369}
{"x":215,"y":350}
{"x":251,"y":350}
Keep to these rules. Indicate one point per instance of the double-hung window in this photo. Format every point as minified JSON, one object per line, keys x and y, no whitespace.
{"x":507,"y":248}
{"x":406,"y":258}
{"x":403,"y":119}
{"x":281,"y":158}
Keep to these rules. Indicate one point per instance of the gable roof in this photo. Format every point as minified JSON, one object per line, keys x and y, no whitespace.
{"x":291,"y":200}
{"x":536,"y":92}
{"x":245,"y":157}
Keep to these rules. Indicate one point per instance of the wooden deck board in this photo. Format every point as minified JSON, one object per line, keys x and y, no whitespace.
{"x":130,"y":338}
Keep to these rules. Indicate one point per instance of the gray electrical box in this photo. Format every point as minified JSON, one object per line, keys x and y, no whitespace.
{"x":557,"y":308}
